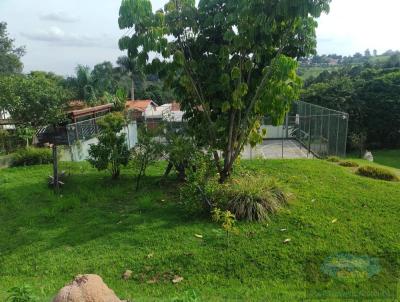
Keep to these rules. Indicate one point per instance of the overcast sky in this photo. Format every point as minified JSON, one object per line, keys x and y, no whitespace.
{"x":59,"y":34}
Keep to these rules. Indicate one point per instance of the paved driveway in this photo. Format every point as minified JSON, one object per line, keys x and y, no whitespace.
{"x":276,"y":149}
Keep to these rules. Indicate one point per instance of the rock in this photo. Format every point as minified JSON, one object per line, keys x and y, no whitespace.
{"x":368,"y":156}
{"x":86,"y":288}
{"x":177,"y":279}
{"x":127,"y":275}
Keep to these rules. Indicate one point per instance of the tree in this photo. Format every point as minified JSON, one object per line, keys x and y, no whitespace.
{"x":83,"y":83}
{"x":104,"y":79}
{"x":375,"y":52}
{"x":367,"y":53}
{"x":10,"y":56}
{"x":369,"y":95}
{"x":133,"y":69}
{"x":230,"y":62}
{"x":34,"y":100}
{"x":147,"y":151}
{"x":112,"y":151}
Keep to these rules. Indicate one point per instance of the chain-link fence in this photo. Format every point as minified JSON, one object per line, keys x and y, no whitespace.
{"x":320,"y":131}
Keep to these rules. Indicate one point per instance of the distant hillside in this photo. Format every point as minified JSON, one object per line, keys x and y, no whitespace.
{"x":313,"y":66}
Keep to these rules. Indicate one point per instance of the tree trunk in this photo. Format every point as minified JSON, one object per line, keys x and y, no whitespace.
{"x":133,"y":89}
{"x":168,"y":170}
{"x":56,"y":183}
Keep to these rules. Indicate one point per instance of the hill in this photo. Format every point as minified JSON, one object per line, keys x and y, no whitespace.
{"x":103,"y":227}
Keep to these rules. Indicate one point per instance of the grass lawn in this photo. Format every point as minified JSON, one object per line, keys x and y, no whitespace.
{"x":104,"y":227}
{"x":388,"y":157}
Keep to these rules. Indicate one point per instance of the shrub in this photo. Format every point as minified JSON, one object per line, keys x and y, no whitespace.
{"x":377,"y":173}
{"x":248,"y":197}
{"x":333,"y":159}
{"x":253,"y":198}
{"x":196,"y":192}
{"x":32,"y":156}
{"x":147,"y":151}
{"x":112,"y":151}
{"x":348,"y":163}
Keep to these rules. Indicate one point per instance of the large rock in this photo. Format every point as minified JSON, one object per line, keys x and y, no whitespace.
{"x":86,"y":288}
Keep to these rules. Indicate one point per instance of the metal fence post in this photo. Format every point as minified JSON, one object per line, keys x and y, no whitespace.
{"x":337,"y":135}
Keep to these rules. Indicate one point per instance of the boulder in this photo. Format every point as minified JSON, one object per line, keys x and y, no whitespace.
{"x":86,"y":288}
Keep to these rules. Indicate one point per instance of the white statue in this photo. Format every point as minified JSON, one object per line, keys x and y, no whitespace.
{"x":368,"y":156}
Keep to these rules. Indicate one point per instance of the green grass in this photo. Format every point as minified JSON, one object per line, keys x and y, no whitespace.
{"x":315,"y":71}
{"x":104,"y":227}
{"x":389,"y":158}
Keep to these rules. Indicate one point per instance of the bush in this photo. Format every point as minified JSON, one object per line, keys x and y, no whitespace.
{"x":32,"y":156}
{"x":196,"y":192}
{"x":333,"y":159}
{"x":348,"y":163}
{"x":253,"y":198}
{"x":377,"y":173}
{"x":112,"y":151}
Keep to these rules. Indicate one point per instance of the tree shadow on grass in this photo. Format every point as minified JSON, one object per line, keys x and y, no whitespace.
{"x":90,"y":207}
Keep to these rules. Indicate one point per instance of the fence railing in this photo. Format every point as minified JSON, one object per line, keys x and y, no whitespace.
{"x":82,"y":131}
{"x":320,"y":130}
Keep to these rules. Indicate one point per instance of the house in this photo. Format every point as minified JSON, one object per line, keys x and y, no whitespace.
{"x":149,"y":111}
{"x":141,"y":109}
{"x":5,"y":121}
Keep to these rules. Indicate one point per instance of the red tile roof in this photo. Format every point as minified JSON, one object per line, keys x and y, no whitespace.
{"x":140,"y":105}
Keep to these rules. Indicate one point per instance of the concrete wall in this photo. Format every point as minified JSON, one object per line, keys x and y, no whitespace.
{"x":80,"y":152}
{"x":5,"y":161}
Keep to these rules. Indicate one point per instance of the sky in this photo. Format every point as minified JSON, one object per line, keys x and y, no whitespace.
{"x":59,"y":34}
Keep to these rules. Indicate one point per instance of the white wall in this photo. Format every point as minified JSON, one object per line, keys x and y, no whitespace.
{"x":80,"y":152}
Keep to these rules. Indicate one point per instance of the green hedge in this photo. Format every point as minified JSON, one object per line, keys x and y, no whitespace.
{"x":32,"y":156}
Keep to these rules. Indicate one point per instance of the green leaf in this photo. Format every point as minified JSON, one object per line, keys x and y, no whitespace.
{"x":235,"y":73}
{"x":225,"y":107}
{"x":179,"y":58}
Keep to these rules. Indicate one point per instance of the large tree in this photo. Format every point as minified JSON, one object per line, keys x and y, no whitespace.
{"x":10,"y":56}
{"x":231,"y":62}
{"x":34,"y":100}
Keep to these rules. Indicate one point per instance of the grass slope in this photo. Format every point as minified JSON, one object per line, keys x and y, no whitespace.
{"x":389,"y":158}
{"x":97,"y":226}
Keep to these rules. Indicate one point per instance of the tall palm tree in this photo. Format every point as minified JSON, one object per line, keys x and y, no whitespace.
{"x":84,"y":83}
{"x":133,"y":69}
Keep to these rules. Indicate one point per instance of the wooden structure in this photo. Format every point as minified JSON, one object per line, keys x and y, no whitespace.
{"x":91,"y":112}
{"x":60,"y":135}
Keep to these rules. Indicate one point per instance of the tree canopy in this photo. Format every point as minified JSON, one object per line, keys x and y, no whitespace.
{"x":10,"y":56}
{"x":230,"y":62}
{"x":371,"y":96}
{"x":36,"y":99}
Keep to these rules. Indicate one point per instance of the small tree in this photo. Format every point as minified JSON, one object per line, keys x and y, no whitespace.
{"x":181,"y":152}
{"x":26,"y":133}
{"x":112,"y":151}
{"x":147,"y":151}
